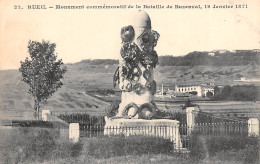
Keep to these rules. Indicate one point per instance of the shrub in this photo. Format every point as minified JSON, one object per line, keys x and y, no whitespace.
{"x":180,"y":116}
{"x":120,"y":146}
{"x":66,"y":148}
{"x":24,"y":145}
{"x":164,"y":114}
{"x":198,"y":150}
{"x":247,"y":155}
{"x":212,"y":146}
{"x":193,"y":92}
{"x":19,"y":145}
{"x":209,"y":94}
{"x":112,"y":110}
{"x":83,"y":119}
{"x":188,"y":103}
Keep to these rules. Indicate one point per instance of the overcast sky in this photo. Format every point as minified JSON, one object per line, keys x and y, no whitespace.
{"x":95,"y":34}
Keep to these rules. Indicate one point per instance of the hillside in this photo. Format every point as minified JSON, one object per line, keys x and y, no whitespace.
{"x":198,"y":58}
{"x":91,"y":75}
{"x":216,"y":58}
{"x":221,"y":75}
{"x":83,"y":75}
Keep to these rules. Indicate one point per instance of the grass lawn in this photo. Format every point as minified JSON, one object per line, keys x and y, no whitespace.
{"x":144,"y":159}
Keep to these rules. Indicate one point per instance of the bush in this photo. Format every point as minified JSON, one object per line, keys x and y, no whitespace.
{"x":180,"y":116}
{"x":197,"y":150}
{"x":66,"y":148}
{"x":193,"y":93}
{"x":19,"y":145}
{"x":83,"y":119}
{"x":112,"y":110}
{"x":35,"y":145}
{"x":120,"y":146}
{"x":188,"y":103}
{"x":247,"y":155}
{"x":24,"y":145}
{"x":209,"y":94}
{"x":214,"y":146}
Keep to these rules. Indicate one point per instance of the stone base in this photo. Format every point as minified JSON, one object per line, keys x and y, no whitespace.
{"x":168,"y":129}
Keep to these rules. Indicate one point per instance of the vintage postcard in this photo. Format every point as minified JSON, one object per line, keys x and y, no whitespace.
{"x":114,"y":81}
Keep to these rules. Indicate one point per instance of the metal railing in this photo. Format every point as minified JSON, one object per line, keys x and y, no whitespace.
{"x":181,"y":135}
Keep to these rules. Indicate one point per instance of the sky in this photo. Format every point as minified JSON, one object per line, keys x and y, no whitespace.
{"x":95,"y":34}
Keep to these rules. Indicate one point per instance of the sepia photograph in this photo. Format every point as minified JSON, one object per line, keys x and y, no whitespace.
{"x":129,"y":82}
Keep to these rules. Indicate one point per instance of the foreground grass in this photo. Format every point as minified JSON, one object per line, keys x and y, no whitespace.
{"x":35,"y":145}
{"x":144,"y":159}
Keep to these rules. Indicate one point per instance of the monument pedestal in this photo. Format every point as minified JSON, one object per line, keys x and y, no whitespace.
{"x":168,"y":129}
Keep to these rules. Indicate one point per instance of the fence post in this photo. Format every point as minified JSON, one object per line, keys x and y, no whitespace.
{"x":253,"y":127}
{"x":44,"y":114}
{"x":74,"y":132}
{"x":191,"y":113}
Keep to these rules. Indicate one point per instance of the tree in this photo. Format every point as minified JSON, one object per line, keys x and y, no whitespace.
{"x":188,"y":103}
{"x":42,"y":72}
{"x":225,"y":92}
{"x":209,"y":94}
{"x":216,"y":90}
{"x":112,"y":110}
{"x":194,"y":92}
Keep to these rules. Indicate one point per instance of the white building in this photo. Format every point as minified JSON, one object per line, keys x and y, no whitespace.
{"x":201,"y":89}
{"x":211,"y":53}
{"x":220,"y":51}
{"x":206,"y":89}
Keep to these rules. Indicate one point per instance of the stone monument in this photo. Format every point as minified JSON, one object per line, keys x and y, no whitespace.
{"x":135,"y":72}
{"x":135,"y":78}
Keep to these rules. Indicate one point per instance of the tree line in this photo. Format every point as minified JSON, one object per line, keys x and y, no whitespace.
{"x":219,"y":59}
{"x":100,"y":61}
{"x":203,"y":58}
{"x":197,"y":58}
{"x":237,"y":93}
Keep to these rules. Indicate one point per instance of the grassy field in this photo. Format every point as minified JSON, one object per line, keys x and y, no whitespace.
{"x":16,"y":103}
{"x":145,"y":159}
{"x":43,"y":145}
{"x":221,"y":75}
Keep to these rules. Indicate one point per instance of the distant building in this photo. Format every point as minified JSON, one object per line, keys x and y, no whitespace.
{"x":201,"y":88}
{"x":211,"y":53}
{"x":220,"y":51}
{"x":206,"y":89}
{"x":256,"y":50}
{"x":244,"y":79}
